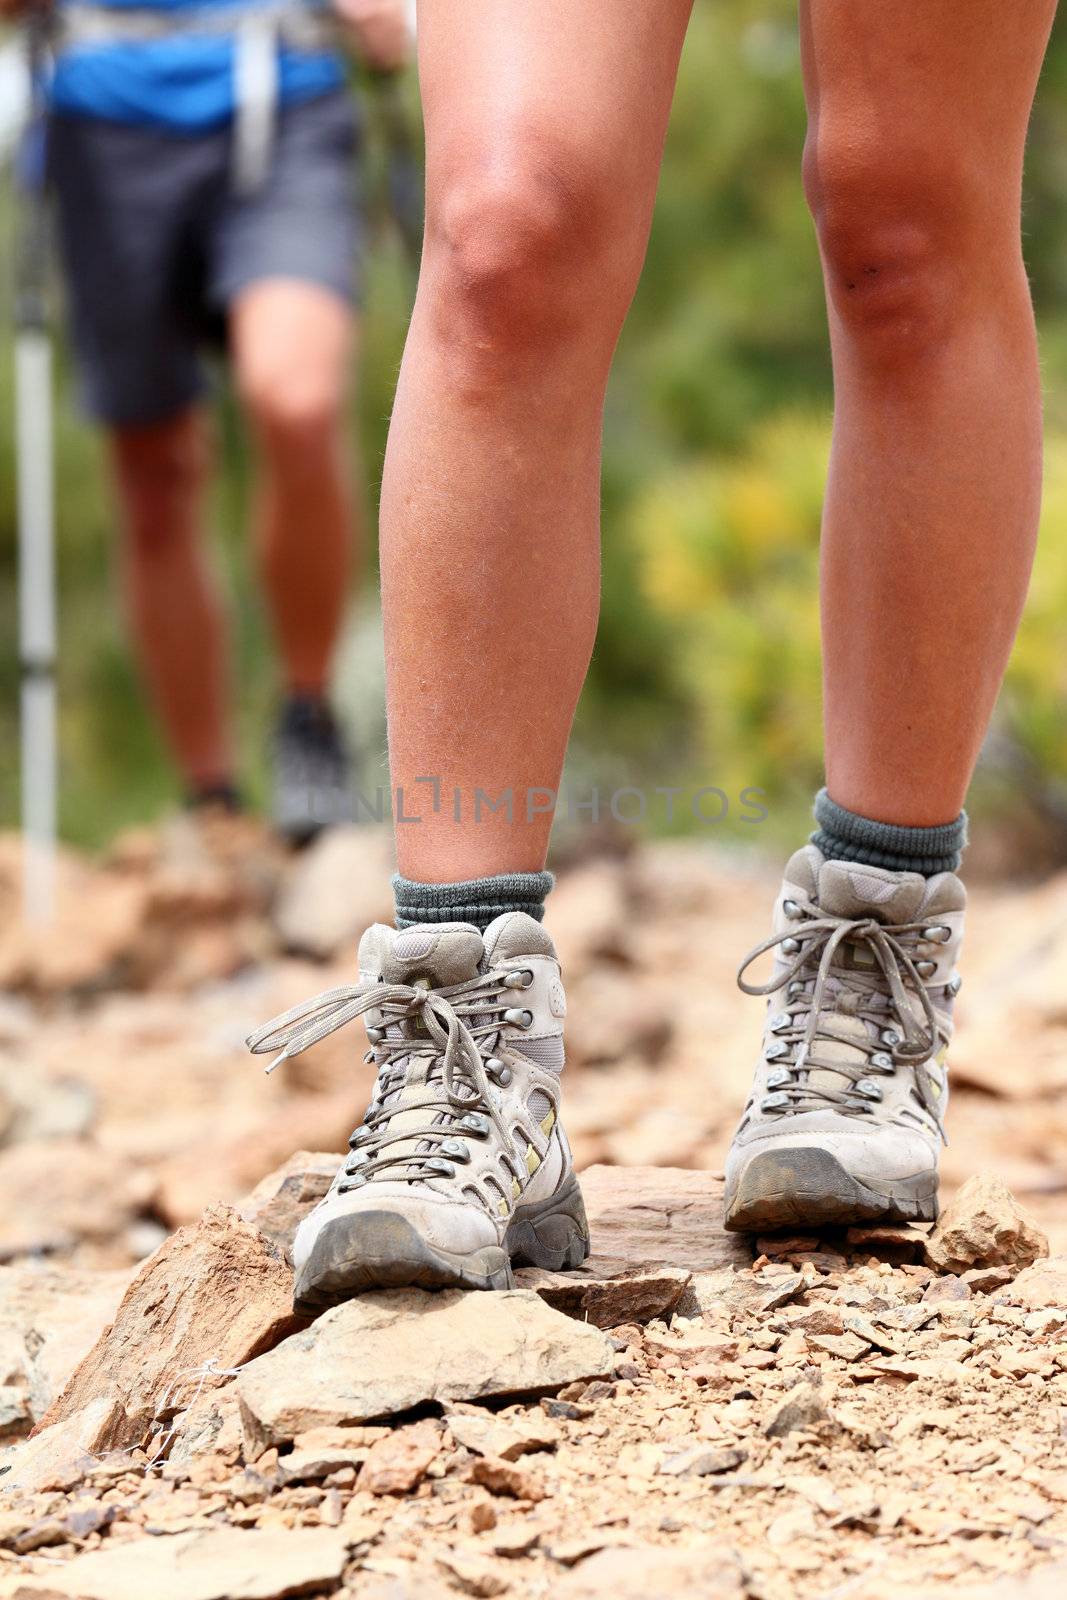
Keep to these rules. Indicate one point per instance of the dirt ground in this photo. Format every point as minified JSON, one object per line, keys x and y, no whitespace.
{"x":816,"y":1418}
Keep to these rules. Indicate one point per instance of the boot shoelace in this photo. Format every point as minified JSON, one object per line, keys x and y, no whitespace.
{"x":802,"y":1021}
{"x":460,"y":1026}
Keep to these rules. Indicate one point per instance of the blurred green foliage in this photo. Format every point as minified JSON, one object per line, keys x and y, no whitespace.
{"x":707,"y":663}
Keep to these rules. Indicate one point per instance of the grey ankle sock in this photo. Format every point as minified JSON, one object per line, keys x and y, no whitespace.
{"x":844,"y":836}
{"x":477,"y":900}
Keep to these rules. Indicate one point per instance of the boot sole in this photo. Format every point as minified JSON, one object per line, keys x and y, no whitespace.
{"x":382,"y":1250}
{"x":808,"y":1187}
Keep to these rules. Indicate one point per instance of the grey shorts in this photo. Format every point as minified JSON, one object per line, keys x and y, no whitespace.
{"x":156,"y":243}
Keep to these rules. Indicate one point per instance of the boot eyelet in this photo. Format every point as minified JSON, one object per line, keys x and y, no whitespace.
{"x":519,"y":1019}
{"x":790,"y":946}
{"x":779,"y":1022}
{"x":778,"y":1078}
{"x":926,"y":969}
{"x":883,"y":1061}
{"x":521,"y":979}
{"x":455,"y":1149}
{"x":891,"y":1037}
{"x":791,"y":909}
{"x":474,"y":1123}
{"x":938,"y":934}
{"x":774,"y":1102}
{"x":438,"y":1168}
{"x":954,"y":985}
{"x":868,"y":1089}
{"x":498,"y":1071}
{"x":776,"y":1050}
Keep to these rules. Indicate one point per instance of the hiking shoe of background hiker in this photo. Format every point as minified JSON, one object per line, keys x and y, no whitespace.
{"x":845,"y":1121}
{"x":312,"y":776}
{"x":460,"y":1166}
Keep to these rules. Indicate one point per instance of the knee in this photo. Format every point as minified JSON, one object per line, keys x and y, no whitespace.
{"x":522,"y":249}
{"x":295,"y":407}
{"x":904,"y":234}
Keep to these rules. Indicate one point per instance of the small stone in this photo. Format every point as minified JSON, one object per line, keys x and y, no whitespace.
{"x":608,"y":1301}
{"x":801,"y":1410}
{"x":486,"y":1435}
{"x":481,"y":1517}
{"x":701,"y":1462}
{"x":987,"y":1280}
{"x":984,"y":1226}
{"x":401,"y":1460}
{"x":515,"y":1539}
{"x":503,"y":1477}
{"x":568,"y":1552}
{"x":946,"y":1289}
{"x":69,"y":1529}
{"x":566,"y":1410}
{"x":471,"y":1574}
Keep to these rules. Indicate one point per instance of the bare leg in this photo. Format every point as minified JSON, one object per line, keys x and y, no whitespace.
{"x":291,"y":347}
{"x":160,"y":471}
{"x":913,"y":169}
{"x":545,"y":128}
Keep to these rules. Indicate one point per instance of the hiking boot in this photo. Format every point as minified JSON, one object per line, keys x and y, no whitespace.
{"x":460,"y":1166}
{"x":312,"y":781}
{"x":845,"y":1121}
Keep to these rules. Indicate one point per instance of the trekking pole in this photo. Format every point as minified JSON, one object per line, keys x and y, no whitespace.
{"x":35,"y":506}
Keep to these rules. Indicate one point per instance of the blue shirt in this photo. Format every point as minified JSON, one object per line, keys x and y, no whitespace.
{"x":184,"y":83}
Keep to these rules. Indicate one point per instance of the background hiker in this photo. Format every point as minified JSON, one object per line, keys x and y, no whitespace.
{"x":176,"y":228}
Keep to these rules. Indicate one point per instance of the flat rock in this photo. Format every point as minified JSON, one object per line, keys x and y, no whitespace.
{"x":215,"y":1564}
{"x":384,"y":1353}
{"x":338,"y":887}
{"x":215,"y":1293}
{"x":660,"y":1217}
{"x":280,"y":1201}
{"x":708,"y":1572}
{"x":984,"y":1226}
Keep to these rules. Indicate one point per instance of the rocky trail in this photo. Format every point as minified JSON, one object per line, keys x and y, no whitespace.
{"x":870,"y":1414}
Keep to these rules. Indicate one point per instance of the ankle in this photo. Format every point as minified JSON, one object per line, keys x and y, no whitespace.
{"x":475,"y":900}
{"x":844,"y":835}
